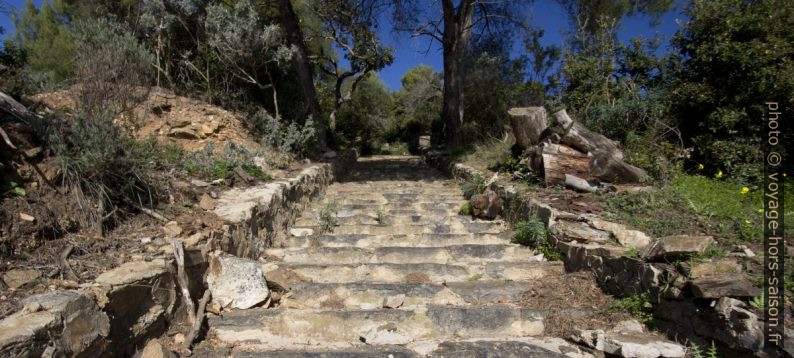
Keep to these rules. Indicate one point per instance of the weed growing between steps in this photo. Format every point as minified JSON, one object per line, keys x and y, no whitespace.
{"x":472,"y":186}
{"x":328,"y":217}
{"x":638,"y":306}
{"x":533,"y":233}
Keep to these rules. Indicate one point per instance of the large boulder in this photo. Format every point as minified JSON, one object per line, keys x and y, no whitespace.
{"x":236,"y":282}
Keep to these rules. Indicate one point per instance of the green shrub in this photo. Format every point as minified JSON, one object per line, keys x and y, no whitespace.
{"x":328,"y":217}
{"x":285,"y":138}
{"x":472,"y":185}
{"x":697,"y":352}
{"x":639,"y":306}
{"x":465,"y":209}
{"x":211,"y":166}
{"x":533,"y":233}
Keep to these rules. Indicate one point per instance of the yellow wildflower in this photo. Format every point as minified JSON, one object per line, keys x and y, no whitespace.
{"x":700,"y":167}
{"x":761,"y":210}
{"x":719,"y":174}
{"x":747,"y":221}
{"x":745,"y":190}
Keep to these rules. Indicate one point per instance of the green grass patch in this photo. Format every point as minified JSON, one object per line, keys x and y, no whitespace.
{"x":465,"y":209}
{"x":639,"y":306}
{"x":721,"y":208}
{"x":533,"y":233}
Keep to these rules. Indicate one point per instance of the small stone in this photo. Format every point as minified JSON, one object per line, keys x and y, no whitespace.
{"x":671,"y":246}
{"x":183,"y":133}
{"x":179,"y":123}
{"x":199,"y":183}
{"x":206,"y":202}
{"x":236,"y":282}
{"x":27,"y":217}
{"x":146,"y":240}
{"x":31,"y":307}
{"x":394,"y":301}
{"x":154,"y":349}
{"x":486,"y":205}
{"x":179,"y":338}
{"x":641,"y":346}
{"x":17,"y":278}
{"x":214,"y":308}
{"x":728,"y":286}
{"x":213,"y":195}
{"x":301,"y":232}
{"x":172,"y":229}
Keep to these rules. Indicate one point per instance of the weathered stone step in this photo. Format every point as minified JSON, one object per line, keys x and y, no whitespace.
{"x":448,"y":201}
{"x":456,"y":254}
{"x":420,"y":240}
{"x":452,"y":227}
{"x":473,"y":348}
{"x":311,"y":219}
{"x":426,"y":272}
{"x":369,"y":295}
{"x":286,"y":328}
{"x":366,"y":192}
{"x":373,"y":208}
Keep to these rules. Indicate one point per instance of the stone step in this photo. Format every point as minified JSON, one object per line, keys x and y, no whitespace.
{"x":312,"y":219}
{"x":418,"y":207}
{"x":369,"y":295}
{"x":420,"y":240}
{"x":365,"y":192}
{"x":455,"y":254}
{"x":287,"y":328}
{"x":340,"y":201}
{"x":425,"y":272}
{"x":473,"y":348}
{"x":452,"y":227}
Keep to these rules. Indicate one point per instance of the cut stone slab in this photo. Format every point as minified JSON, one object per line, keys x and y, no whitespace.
{"x":20,"y":277}
{"x":717,"y":287}
{"x":633,"y":239}
{"x":236,"y":282}
{"x":130,"y":272}
{"x":26,"y":334}
{"x":394,"y":301}
{"x":671,"y":246}
{"x":633,"y":345}
{"x":722,"y":267}
{"x":567,"y":230}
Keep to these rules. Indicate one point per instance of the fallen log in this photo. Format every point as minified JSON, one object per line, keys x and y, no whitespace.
{"x":559,"y":160}
{"x":580,"y":137}
{"x":528,"y":123}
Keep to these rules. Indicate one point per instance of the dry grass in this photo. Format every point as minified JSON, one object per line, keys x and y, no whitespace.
{"x":572,"y":301}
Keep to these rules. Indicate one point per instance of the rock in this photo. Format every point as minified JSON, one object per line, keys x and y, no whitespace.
{"x":179,"y":123}
{"x":486,"y":205}
{"x":394,"y":301}
{"x":590,"y":338}
{"x":154,"y":349}
{"x":300,"y":232}
{"x":236,"y":282}
{"x":671,"y":246}
{"x":629,"y":326}
{"x":146,"y":240}
{"x":714,"y":268}
{"x":330,"y":155}
{"x":31,"y":307}
{"x":280,"y":278}
{"x":27,"y":217}
{"x":633,"y":239}
{"x":199,"y":183}
{"x":25,"y":335}
{"x":567,"y":230}
{"x":183,"y":133}
{"x":17,"y":278}
{"x":208,"y":129}
{"x":726,"y":286}
{"x":384,"y":335}
{"x":743,"y":328}
{"x":172,"y":229}
{"x":640,"y":346}
{"x":206,"y":202}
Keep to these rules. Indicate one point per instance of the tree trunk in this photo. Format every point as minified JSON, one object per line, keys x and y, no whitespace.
{"x":559,"y":160}
{"x":580,"y":137}
{"x":304,"y":68}
{"x":528,"y":123}
{"x":456,"y":36}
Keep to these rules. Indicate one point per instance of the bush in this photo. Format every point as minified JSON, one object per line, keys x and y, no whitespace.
{"x":472,"y":185}
{"x":104,"y":168}
{"x":533,"y":233}
{"x":287,"y":139}
{"x":208,"y":165}
{"x":111,"y":66}
{"x":638,"y":306}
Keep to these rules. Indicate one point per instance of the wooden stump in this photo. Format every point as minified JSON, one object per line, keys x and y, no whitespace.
{"x":528,"y":123}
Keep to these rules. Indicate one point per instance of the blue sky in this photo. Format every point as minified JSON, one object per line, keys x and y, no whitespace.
{"x":410,"y":52}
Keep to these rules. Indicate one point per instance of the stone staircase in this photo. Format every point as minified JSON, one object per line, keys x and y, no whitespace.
{"x":402,"y":274}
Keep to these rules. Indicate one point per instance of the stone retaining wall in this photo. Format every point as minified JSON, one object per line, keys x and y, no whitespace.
{"x":124,"y":307}
{"x":727,"y":321}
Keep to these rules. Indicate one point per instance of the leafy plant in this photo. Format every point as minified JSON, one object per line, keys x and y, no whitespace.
{"x":697,"y":352}
{"x":758,"y":302}
{"x":475,"y":277}
{"x":328,"y":217}
{"x":465,"y":209}
{"x":533,"y":233}
{"x":632,"y":253}
{"x":380,"y":216}
{"x":637,"y":305}
{"x":472,"y":185}
{"x":17,"y":190}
